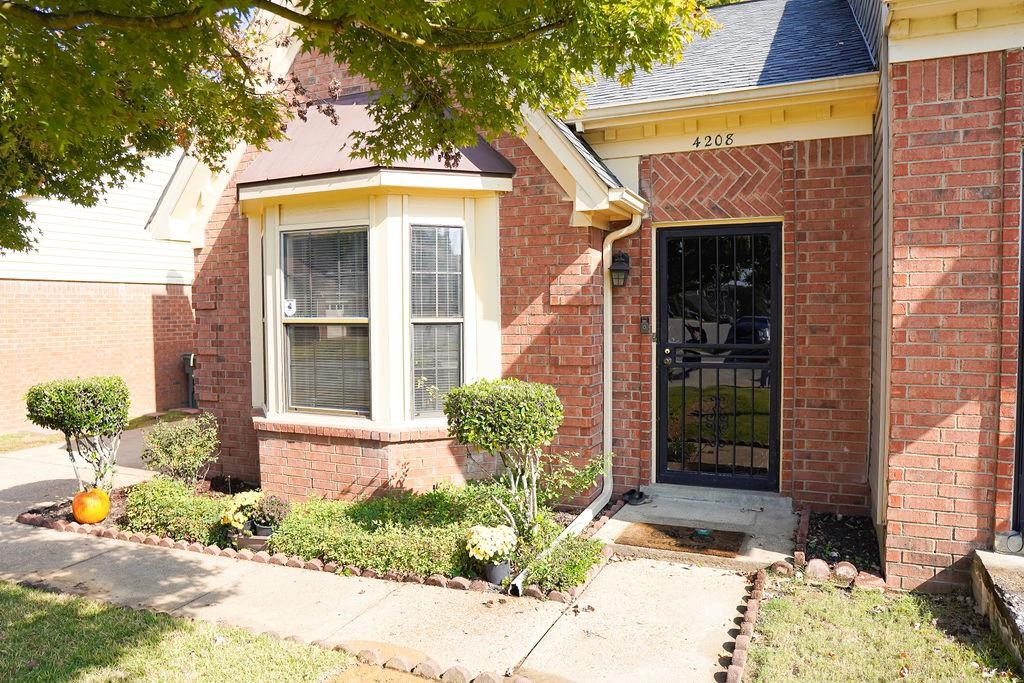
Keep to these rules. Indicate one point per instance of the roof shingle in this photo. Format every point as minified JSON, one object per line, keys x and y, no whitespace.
{"x":760,"y":43}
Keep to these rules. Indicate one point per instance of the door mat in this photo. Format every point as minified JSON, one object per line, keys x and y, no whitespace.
{"x":683,"y":539}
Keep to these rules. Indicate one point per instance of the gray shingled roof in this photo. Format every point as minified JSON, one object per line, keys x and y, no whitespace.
{"x":588,"y":154}
{"x":760,"y":43}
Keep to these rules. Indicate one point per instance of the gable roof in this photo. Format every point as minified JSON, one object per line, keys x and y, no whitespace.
{"x":587,"y":153}
{"x":317,"y":147}
{"x":759,"y":43}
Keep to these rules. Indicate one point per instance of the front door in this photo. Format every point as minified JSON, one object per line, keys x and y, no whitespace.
{"x":718,"y":356}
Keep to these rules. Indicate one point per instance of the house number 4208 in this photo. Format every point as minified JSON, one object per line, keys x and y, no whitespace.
{"x":712,"y":141}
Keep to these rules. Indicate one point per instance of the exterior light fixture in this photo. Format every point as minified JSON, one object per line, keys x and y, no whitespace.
{"x":619,"y":268}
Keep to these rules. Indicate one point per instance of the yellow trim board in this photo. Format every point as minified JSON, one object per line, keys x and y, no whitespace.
{"x":927,"y":29}
{"x":789,"y":114}
{"x":745,"y":220}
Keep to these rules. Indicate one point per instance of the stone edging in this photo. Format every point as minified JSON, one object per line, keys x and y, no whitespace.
{"x":802,"y":531}
{"x":263,"y":557}
{"x":739,"y":653}
{"x":426,"y":669}
{"x":818,"y":570}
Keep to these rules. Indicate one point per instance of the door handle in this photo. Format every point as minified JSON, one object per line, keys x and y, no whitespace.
{"x":666,"y":361}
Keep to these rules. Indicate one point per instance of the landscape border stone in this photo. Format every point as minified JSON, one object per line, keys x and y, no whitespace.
{"x":739,"y":653}
{"x":296,"y":562}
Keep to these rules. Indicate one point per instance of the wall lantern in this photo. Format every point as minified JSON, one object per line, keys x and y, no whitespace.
{"x":619,"y":268}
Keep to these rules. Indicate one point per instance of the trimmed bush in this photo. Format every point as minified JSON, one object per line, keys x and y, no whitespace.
{"x":405,"y":532}
{"x":567,"y":565}
{"x":93,"y":412}
{"x":511,"y":420}
{"x":168,"y":507}
{"x":183,"y":450}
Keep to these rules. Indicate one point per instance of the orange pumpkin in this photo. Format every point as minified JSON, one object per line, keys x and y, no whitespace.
{"x":90,"y":507}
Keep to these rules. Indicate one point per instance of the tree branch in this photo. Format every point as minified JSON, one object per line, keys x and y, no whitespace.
{"x":193,"y":15}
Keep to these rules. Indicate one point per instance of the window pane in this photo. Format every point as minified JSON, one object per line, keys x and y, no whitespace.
{"x":436,"y":362}
{"x":329,"y":367}
{"x":325,"y":272}
{"x":436,"y":272}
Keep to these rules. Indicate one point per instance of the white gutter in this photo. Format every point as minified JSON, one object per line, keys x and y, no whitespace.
{"x":584,"y":518}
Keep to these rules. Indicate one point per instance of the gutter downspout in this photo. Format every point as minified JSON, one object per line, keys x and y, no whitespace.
{"x":584,"y":518}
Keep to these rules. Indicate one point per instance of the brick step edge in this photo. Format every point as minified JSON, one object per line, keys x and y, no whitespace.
{"x":739,"y":653}
{"x":296,"y":562}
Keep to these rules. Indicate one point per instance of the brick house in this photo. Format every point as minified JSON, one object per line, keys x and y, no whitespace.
{"x":820,"y":213}
{"x":107,"y":290}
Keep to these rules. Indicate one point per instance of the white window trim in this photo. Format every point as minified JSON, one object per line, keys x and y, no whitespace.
{"x":409,"y":224}
{"x":389,"y":217}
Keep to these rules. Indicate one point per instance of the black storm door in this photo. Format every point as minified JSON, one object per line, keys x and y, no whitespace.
{"x":718,"y":356}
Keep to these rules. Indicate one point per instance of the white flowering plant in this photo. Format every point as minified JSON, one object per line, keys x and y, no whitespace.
{"x":491,"y":543}
{"x":238,"y":508}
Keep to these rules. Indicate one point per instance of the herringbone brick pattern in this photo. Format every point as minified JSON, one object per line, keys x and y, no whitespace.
{"x":718,"y":183}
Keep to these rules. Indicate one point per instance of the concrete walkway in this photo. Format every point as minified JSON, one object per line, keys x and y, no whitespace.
{"x":639,"y":620}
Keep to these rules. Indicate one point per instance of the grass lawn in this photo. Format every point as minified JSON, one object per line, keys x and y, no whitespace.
{"x":746,"y":417}
{"x":143,"y":421}
{"x":810,"y":633}
{"x":48,"y":637}
{"x":16,"y":441}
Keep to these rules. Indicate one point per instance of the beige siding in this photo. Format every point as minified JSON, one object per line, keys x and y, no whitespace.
{"x":109,"y":242}
{"x":881,"y":298}
{"x":870,"y":15}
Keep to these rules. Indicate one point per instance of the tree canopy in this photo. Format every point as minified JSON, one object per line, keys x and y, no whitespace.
{"x":91,"y":88}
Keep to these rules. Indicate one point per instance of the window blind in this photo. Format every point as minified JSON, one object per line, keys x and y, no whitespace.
{"x":325,"y":275}
{"x":436,"y":305}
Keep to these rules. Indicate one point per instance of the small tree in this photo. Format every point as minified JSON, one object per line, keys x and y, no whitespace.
{"x":513,"y":421}
{"x":183,"y":450}
{"x":92,"y":411}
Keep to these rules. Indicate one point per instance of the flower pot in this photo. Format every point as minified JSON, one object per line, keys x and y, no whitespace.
{"x":253,"y":543}
{"x":260,"y":530}
{"x":496,"y":573}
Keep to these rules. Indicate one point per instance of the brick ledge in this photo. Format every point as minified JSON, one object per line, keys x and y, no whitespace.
{"x":370,"y":432}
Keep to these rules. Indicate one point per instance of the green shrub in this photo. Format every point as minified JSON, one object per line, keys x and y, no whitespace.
{"x":183,"y":450}
{"x":511,"y":420}
{"x":567,"y":565}
{"x":168,"y":507}
{"x":504,"y":417}
{"x":93,"y":412}
{"x":420,"y":533}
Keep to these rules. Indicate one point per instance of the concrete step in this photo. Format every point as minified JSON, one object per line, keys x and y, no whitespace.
{"x":767,"y":518}
{"x":998,"y":582}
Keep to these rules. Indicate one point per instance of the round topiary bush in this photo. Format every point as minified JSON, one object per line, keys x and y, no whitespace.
{"x":511,"y":420}
{"x":93,"y":412}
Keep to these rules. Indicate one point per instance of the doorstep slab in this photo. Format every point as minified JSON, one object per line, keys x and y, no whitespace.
{"x":998,"y":583}
{"x":767,"y":519}
{"x":643,"y":620}
{"x":480,"y":631}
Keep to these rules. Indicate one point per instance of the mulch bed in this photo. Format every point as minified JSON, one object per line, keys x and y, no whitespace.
{"x":842,"y":538}
{"x":62,"y":511}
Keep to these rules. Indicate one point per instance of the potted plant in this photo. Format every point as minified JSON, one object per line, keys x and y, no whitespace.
{"x":492,"y":546}
{"x":268,"y":513}
{"x":237,"y":515}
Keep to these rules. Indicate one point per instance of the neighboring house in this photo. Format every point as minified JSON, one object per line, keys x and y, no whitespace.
{"x":820,"y":208}
{"x":106,"y":291}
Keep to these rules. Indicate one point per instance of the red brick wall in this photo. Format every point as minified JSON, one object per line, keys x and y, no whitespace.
{"x":551,"y":297}
{"x":956,"y":129}
{"x":54,"y":330}
{"x":298,"y":461}
{"x":822,"y":189}
{"x":223,"y":375}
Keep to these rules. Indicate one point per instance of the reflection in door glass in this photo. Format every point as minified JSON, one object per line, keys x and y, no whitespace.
{"x":718,"y":354}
